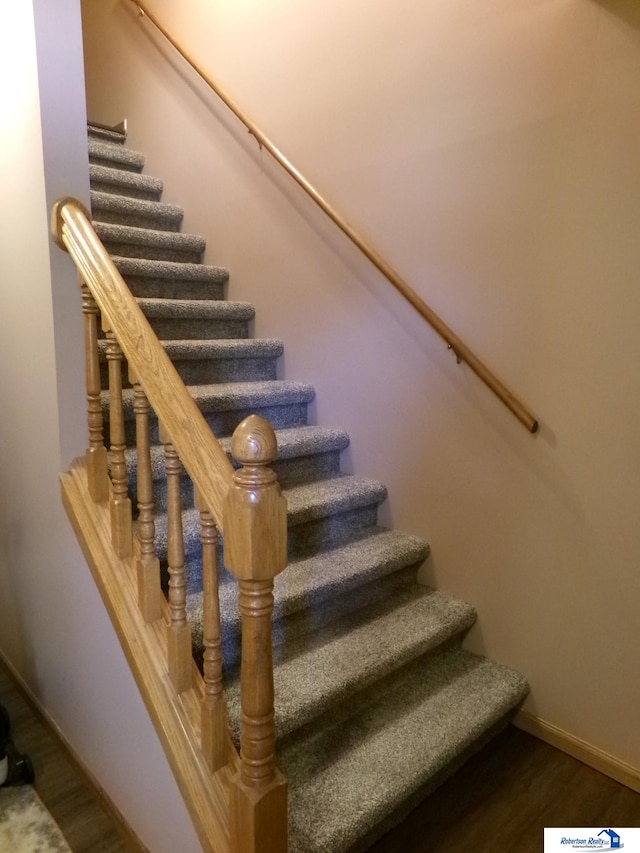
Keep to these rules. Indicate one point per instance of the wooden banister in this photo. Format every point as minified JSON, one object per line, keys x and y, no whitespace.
{"x":199,"y":450}
{"x":459,"y":348}
{"x":189,"y":711}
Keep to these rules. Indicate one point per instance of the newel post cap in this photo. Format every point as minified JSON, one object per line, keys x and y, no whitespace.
{"x":254,"y":442}
{"x":254,"y":510}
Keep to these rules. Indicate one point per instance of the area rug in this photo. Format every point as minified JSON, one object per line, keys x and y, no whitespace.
{"x":25,"y":824}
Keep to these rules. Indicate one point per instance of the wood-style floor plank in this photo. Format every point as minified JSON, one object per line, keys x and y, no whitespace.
{"x":504,"y":797}
{"x":83,"y":819}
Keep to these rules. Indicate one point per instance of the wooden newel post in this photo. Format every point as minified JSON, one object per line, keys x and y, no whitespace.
{"x":255,"y":545}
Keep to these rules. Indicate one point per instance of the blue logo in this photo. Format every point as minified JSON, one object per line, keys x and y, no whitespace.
{"x":614,"y":838}
{"x":606,"y":839}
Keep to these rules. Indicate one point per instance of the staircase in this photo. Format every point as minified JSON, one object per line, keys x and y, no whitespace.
{"x":376,"y":701}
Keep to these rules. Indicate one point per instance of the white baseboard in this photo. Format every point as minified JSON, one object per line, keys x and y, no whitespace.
{"x":579,"y":749}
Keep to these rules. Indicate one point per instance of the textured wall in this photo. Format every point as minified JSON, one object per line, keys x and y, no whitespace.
{"x":491,"y":150}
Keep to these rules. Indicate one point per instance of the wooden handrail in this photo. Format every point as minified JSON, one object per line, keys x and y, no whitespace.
{"x":201,"y":453}
{"x":460,"y":349}
{"x":247,"y":505}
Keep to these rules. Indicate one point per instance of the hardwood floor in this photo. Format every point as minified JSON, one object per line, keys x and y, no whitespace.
{"x":504,"y":797}
{"x":83,"y":819}
{"x":500,"y":800}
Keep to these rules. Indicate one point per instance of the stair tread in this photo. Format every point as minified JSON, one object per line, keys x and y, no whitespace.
{"x":317,"y":668}
{"x":303,"y":441}
{"x":224,"y":348}
{"x":102,"y":202}
{"x":174,"y":270}
{"x":351,"y":771}
{"x":226,"y":396}
{"x":345,"y":568}
{"x":115,"y":152}
{"x":231,"y":395}
{"x":308,"y":501}
{"x":124,"y":179}
{"x":97,"y":131}
{"x":196,"y":308}
{"x":312,"y":501}
{"x":292,"y":442}
{"x":134,"y":235}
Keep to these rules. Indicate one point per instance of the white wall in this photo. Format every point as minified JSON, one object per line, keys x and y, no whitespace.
{"x":54,"y":630}
{"x":491,"y":150}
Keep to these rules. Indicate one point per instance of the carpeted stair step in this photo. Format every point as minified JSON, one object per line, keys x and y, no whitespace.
{"x":204,"y":362}
{"x":358,"y":770}
{"x":321,"y":515}
{"x":114,"y":155}
{"x":121,"y":182}
{"x":244,"y":360}
{"x":282,"y":402}
{"x":171,"y":280}
{"x":122,"y":210}
{"x":133,"y":242}
{"x":106,"y":134}
{"x":313,"y":581}
{"x":200,"y":319}
{"x":305,"y":454}
{"x":317,"y":668}
{"x":318,"y":589}
{"x":225,"y":405}
{"x":331,"y":511}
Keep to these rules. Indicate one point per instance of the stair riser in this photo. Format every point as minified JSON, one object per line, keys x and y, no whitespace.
{"x":120,"y":189}
{"x":311,"y":537}
{"x":105,"y":135}
{"x":280,"y":417}
{"x":157,"y":222}
{"x":153,"y":253}
{"x":325,"y":532}
{"x":211,"y":371}
{"x":166,"y":288}
{"x":223,"y":423}
{"x":290,"y":472}
{"x":114,"y":163}
{"x":169,"y":329}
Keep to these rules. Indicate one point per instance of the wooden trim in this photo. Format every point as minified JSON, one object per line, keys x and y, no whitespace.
{"x":175,"y":718}
{"x":579,"y":749}
{"x":460,"y":349}
{"x":79,"y":766}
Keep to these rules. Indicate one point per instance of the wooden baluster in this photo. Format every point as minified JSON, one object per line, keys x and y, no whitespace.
{"x":97,"y":461}
{"x":255,"y":528}
{"x":121,"y":527}
{"x":147,"y":564}
{"x":179,"y":640}
{"x":214,"y":721}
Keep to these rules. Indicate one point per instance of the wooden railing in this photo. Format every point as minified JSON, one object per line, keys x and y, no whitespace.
{"x":462,"y":352}
{"x":245,"y":505}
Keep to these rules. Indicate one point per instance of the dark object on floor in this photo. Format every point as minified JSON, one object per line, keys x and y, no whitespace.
{"x":15,"y":768}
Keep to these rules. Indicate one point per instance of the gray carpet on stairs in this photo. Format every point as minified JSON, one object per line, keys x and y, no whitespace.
{"x":376,"y":701}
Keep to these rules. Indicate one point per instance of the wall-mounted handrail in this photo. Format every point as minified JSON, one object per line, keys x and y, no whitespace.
{"x":460,"y":349}
{"x":200,"y":451}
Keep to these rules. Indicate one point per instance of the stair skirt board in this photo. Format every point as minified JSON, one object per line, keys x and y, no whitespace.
{"x":376,"y":701}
